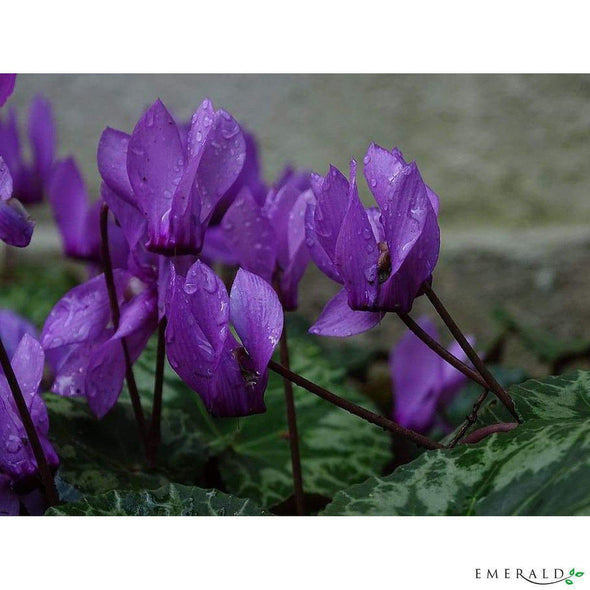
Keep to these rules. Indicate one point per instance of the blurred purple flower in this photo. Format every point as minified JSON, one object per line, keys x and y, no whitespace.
{"x":12,"y":329}
{"x":16,"y":227}
{"x":230,"y":376}
{"x":84,"y":348}
{"x":7,"y":82}
{"x":381,"y":255}
{"x":422,"y":381}
{"x":176,"y":186}
{"x":30,"y":178}
{"x":16,"y":457}
{"x":268,"y":238}
{"x":78,"y":220}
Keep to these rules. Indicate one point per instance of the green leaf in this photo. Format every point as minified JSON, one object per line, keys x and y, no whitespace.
{"x":34,"y":289}
{"x":169,"y":500}
{"x":569,"y":582}
{"x":540,"y":468}
{"x":572,"y":571}
{"x":579,"y":574}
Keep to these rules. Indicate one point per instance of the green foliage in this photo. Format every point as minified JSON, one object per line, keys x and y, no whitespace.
{"x":250,"y":456}
{"x":169,"y":500}
{"x":541,"y":468}
{"x":32,"y":291}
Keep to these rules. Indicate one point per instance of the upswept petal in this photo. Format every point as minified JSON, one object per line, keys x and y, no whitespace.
{"x":338,"y":320}
{"x":16,"y":227}
{"x":250,"y":235}
{"x":111,"y":157}
{"x":42,"y":136}
{"x":316,"y":251}
{"x":332,"y":199}
{"x":257,"y":317}
{"x":197,"y":309}
{"x":81,"y":314}
{"x":155,"y":164}
{"x":356,"y":254}
{"x":381,"y":167}
{"x":70,"y":204}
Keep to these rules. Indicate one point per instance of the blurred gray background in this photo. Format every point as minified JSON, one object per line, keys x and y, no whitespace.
{"x":507,"y":154}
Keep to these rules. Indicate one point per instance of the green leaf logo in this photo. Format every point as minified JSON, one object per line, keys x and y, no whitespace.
{"x":569,"y":582}
{"x":572,"y":571}
{"x":579,"y":574}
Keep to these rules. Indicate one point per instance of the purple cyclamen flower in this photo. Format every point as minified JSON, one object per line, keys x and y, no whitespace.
{"x":83,"y":346}
{"x":7,"y":82}
{"x":78,"y":219}
{"x":16,"y":457}
{"x":229,"y":375}
{"x":381,"y":255}
{"x":30,"y":178}
{"x":16,"y":227}
{"x":175,"y":185}
{"x":12,"y":329}
{"x":268,"y":238}
{"x":422,"y":381}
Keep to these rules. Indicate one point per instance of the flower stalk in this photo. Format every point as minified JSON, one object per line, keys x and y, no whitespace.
{"x":470,"y":352}
{"x":154,"y":434}
{"x":385,"y":423}
{"x":116,"y":316}
{"x":44,"y":471}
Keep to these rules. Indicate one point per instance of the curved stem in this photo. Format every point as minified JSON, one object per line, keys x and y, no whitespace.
{"x":21,"y":405}
{"x":470,"y":352}
{"x":353,"y":408}
{"x":116,"y":316}
{"x":442,"y":351}
{"x":292,"y":422}
{"x":478,"y":435}
{"x":155,"y":426}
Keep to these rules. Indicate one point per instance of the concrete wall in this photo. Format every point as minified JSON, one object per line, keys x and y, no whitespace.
{"x":508,"y":156}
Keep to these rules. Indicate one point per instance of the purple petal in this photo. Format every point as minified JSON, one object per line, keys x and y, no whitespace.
{"x":82,"y":314}
{"x":7,"y":82}
{"x":399,"y":291}
{"x":217,"y":141}
{"x":16,"y":227}
{"x":416,"y":375}
{"x":407,"y":217}
{"x":9,"y":143}
{"x":236,"y":389}
{"x":333,"y":196}
{"x":374,"y":215}
{"x":215,"y":247}
{"x":5,"y":181}
{"x":9,"y":500}
{"x":141,"y":311}
{"x":112,"y":162}
{"x":298,"y":253}
{"x":453,"y":380}
{"x":12,"y":328}
{"x":357,"y":253}
{"x":318,"y":254}
{"x":380,"y":168}
{"x":155,"y":164}
{"x":337,"y":319}
{"x":42,"y":136}
{"x":70,"y":204}
{"x":197,"y":309}
{"x":250,"y":235}
{"x":257,"y":316}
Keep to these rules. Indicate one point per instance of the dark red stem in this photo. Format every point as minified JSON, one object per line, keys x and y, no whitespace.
{"x":155,"y":426}
{"x":355,"y":409}
{"x":470,"y":352}
{"x":478,"y":435}
{"x":116,"y":316}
